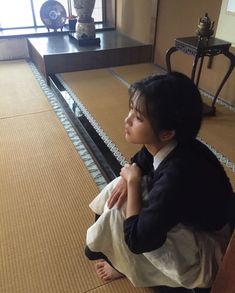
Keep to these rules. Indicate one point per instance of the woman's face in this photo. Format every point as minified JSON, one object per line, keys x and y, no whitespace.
{"x":138,"y":129}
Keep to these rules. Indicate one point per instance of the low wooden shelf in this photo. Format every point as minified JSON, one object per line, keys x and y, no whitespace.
{"x":61,"y":53}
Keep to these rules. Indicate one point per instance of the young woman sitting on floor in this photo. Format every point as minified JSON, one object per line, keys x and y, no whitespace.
{"x":164,"y":221}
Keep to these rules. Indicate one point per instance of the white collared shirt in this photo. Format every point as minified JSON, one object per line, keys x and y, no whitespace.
{"x":161,"y":155}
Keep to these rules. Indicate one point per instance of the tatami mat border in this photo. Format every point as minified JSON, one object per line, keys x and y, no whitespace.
{"x":113,"y":148}
{"x":127,"y":84}
{"x":110,"y":70}
{"x":79,"y":146}
{"x":219,"y":101}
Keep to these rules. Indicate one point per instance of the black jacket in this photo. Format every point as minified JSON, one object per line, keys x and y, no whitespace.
{"x":190,"y":187}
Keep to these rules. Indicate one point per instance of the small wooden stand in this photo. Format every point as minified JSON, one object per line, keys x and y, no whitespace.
{"x":200,"y":48}
{"x":85,"y":41}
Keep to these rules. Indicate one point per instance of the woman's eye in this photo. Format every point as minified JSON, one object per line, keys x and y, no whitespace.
{"x":138,"y":117}
{"x":136,"y":114}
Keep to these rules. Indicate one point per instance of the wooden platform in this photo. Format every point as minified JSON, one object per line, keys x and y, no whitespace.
{"x":61,"y":53}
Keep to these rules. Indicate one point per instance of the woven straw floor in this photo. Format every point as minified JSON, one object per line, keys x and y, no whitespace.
{"x":104,"y":94}
{"x":45,"y":189}
{"x":105,"y":97}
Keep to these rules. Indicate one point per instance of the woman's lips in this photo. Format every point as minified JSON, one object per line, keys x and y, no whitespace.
{"x":126,"y":131}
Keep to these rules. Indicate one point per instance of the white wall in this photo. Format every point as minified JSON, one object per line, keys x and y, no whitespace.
{"x":13,"y":49}
{"x":226,"y":24}
{"x":135,"y":18}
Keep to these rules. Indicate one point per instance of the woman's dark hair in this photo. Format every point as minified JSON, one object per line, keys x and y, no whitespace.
{"x":171,"y":102}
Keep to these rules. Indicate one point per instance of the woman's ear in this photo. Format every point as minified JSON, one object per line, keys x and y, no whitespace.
{"x":167,"y":135}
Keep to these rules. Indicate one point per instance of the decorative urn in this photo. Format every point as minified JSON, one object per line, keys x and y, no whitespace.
{"x":205,"y":28}
{"x":85,"y":28}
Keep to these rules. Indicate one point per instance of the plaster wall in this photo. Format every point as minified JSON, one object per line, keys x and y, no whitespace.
{"x":135,"y":19}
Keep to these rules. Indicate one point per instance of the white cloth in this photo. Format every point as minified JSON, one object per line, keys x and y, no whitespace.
{"x":187,"y":258}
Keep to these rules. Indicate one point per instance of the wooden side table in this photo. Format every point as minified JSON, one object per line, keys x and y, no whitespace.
{"x":199,"y":49}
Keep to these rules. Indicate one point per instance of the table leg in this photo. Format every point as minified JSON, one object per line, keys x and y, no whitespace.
{"x":230,"y":69}
{"x":199,"y":71}
{"x":194,"y":67}
{"x":168,"y":56}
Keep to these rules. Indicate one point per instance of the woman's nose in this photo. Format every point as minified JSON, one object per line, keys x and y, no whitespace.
{"x":128,"y":118}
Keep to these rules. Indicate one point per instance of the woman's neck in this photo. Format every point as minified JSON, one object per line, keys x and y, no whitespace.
{"x":153,"y":149}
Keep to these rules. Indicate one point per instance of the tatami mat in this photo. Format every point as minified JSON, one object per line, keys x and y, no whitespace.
{"x":133,"y":73}
{"x":45,"y":190}
{"x":106,"y":99}
{"x":20,"y":93}
{"x":104,"y":93}
{"x":219,"y":131}
{"x":45,"y":187}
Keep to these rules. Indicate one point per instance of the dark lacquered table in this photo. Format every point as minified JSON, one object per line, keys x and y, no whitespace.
{"x":61,"y":52}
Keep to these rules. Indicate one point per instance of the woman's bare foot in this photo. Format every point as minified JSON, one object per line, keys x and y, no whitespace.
{"x":106,"y":272}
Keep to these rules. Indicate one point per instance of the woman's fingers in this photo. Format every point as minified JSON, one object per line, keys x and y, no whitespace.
{"x":121,"y":201}
{"x":118,"y":194}
{"x":113,"y":199}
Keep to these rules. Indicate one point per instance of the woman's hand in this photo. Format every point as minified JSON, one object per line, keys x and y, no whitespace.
{"x":118,"y":195}
{"x":131,"y":173}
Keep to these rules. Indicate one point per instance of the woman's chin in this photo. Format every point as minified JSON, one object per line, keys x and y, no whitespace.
{"x":127,"y":138}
